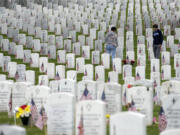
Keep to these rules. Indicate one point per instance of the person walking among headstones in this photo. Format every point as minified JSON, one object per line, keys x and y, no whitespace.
{"x":157,"y":41}
{"x":111,"y":42}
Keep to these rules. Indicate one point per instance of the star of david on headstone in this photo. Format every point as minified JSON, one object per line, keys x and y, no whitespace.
{"x":88,"y":107}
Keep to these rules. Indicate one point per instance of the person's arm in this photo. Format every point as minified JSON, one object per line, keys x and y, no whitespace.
{"x":106,"y":38}
{"x":161,"y":37}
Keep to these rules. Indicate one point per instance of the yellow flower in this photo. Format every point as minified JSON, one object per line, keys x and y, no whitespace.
{"x":27,"y":109}
{"x":18,"y":115}
{"x":108,"y":116}
{"x":20,"y":110}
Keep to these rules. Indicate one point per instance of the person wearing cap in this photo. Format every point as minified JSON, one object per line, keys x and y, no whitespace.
{"x":157,"y":41}
{"x":111,"y":42}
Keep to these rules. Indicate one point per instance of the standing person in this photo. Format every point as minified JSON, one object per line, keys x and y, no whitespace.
{"x":111,"y":42}
{"x":157,"y":41}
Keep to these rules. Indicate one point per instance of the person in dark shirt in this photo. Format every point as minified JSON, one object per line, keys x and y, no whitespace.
{"x":157,"y":41}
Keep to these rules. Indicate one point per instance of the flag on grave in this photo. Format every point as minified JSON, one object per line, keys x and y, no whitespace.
{"x":124,"y":96}
{"x":138,"y":76}
{"x":57,"y":76}
{"x":34,"y":112}
{"x":103,"y":96}
{"x":86,"y":95}
{"x":162,"y":120}
{"x":81,"y":124}
{"x":162,"y":74}
{"x":10,"y":102}
{"x":17,"y":75}
{"x":132,"y":106}
{"x":42,"y":118}
{"x":97,"y":77}
{"x":42,"y":67}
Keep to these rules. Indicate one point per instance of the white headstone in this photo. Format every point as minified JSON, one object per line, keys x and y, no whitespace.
{"x":60,"y":112}
{"x":127,"y":123}
{"x":90,"y":118}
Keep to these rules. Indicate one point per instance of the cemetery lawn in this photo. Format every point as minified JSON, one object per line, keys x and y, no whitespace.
{"x":151,"y":130}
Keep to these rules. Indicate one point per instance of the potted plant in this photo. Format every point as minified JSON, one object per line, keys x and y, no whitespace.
{"x":24,"y":113}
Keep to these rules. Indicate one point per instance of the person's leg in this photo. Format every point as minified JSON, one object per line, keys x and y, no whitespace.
{"x":158,"y":51}
{"x":154,"y":50}
{"x":113,"y":52}
{"x":108,"y":49}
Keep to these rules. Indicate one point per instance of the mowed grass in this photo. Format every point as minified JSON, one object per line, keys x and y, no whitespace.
{"x":32,"y":130}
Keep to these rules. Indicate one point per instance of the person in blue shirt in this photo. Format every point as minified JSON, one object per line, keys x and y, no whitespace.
{"x":157,"y":41}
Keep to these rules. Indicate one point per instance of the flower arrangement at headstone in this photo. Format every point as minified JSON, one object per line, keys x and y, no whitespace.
{"x":127,"y":61}
{"x":24,"y":113}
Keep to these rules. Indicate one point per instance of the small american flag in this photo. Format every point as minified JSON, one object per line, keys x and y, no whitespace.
{"x":86,"y":95}
{"x":163,"y":60}
{"x":155,"y":83}
{"x":102,"y":63}
{"x":85,"y":73}
{"x":34,"y":111}
{"x":42,"y":67}
{"x":57,"y":76}
{"x":5,"y":67}
{"x":162,"y":74}
{"x":103,"y":97}
{"x":124,"y":96}
{"x":16,"y":75}
{"x":24,"y":57}
{"x":65,"y":47}
{"x":9,"y":50}
{"x":41,"y":50}
{"x":59,"y":60}
{"x":97,"y":76}
{"x":132,"y":106}
{"x":83,"y":54}
{"x":74,"y":51}
{"x":109,"y":79}
{"x":77,"y":66}
{"x":154,"y":70}
{"x":49,"y":54}
{"x":42,"y":118}
{"x":138,"y":76}
{"x":93,"y":59}
{"x":155,"y":97}
{"x":81,"y":124}
{"x":31,"y":61}
{"x":10,"y":102}
{"x":177,"y":63}
{"x":162,"y":120}
{"x":114,"y":67}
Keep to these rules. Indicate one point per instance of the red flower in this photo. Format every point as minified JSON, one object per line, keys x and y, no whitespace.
{"x":23,"y":106}
{"x":129,"y":86}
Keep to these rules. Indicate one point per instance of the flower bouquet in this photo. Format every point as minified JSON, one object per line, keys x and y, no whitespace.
{"x":24,"y":112}
{"x":126,"y":61}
